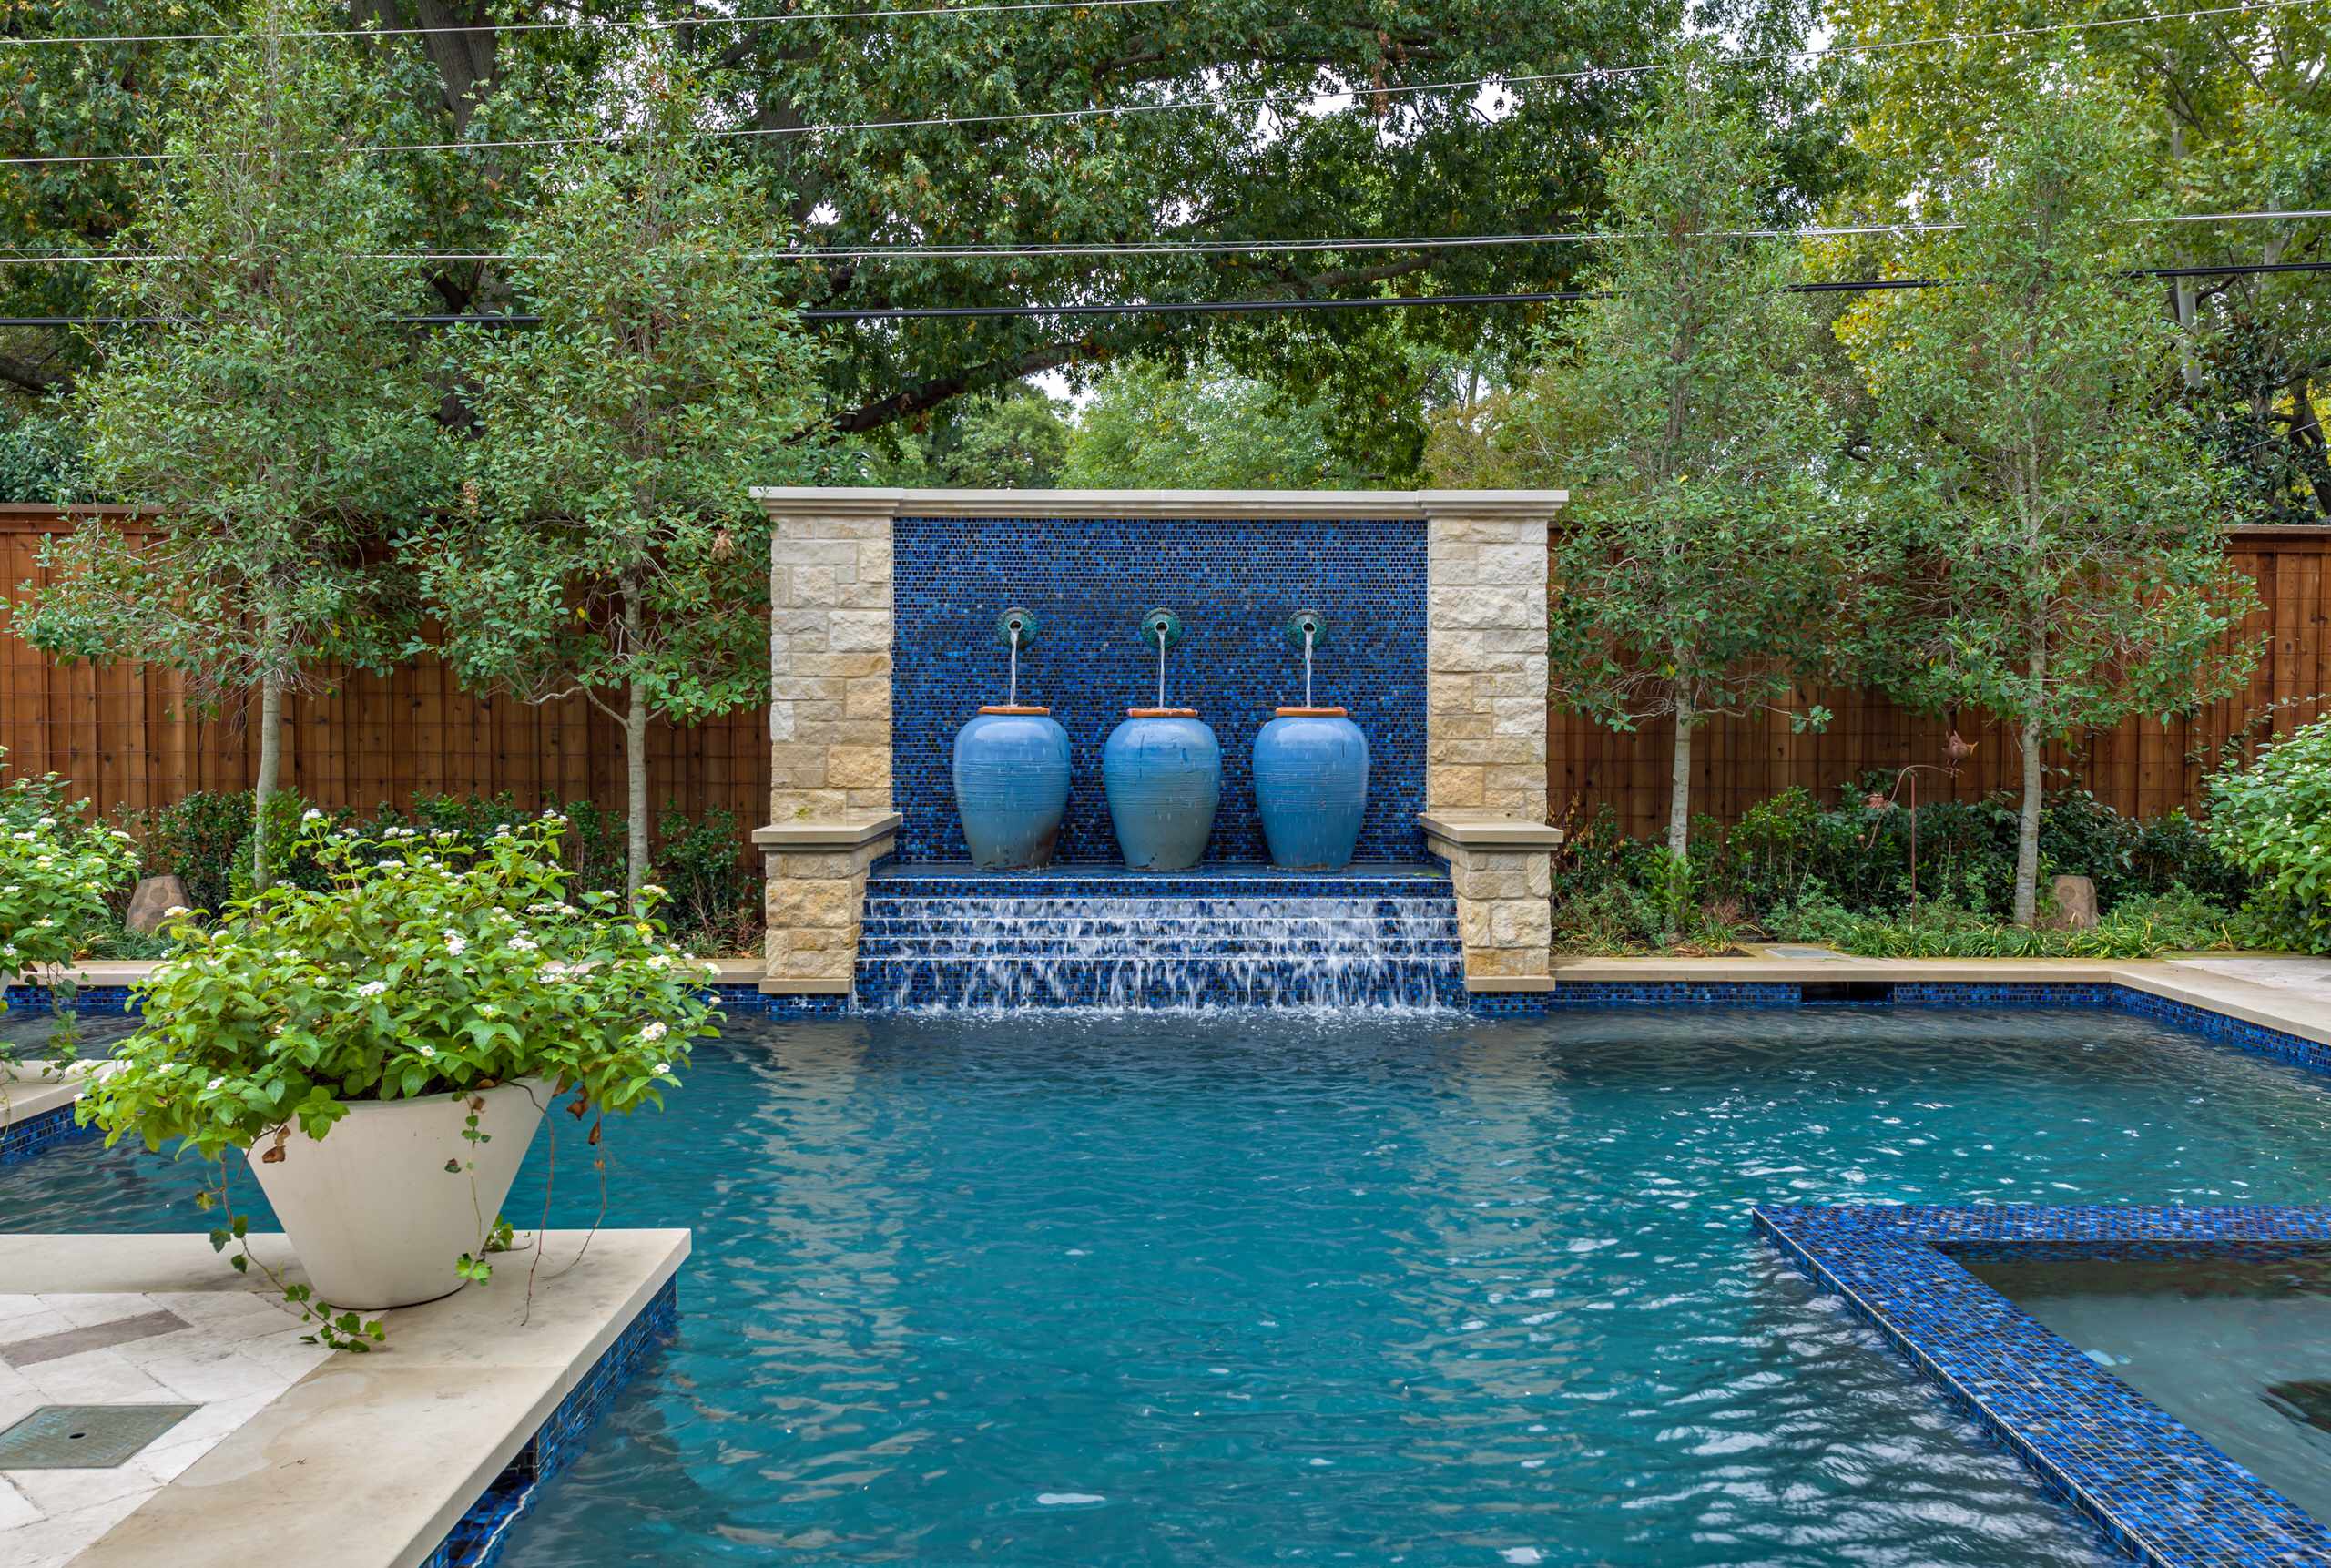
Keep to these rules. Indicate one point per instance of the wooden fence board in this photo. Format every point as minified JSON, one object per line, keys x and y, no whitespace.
{"x":2141,"y":767}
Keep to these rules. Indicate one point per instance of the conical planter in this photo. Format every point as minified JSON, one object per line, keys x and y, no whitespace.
{"x":1011,"y":786}
{"x":371,"y":1210}
{"x":1311,"y":788}
{"x":1162,"y":768}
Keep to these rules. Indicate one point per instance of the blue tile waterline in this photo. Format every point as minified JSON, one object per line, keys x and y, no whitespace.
{"x":478,"y":1539}
{"x":1234,"y":582}
{"x":22,"y":1139}
{"x":2152,"y":1485}
{"x":746,"y":999}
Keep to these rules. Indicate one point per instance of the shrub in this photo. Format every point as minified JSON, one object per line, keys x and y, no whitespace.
{"x":293,"y":844}
{"x":716,"y":902}
{"x":195,"y":840}
{"x":56,"y":873}
{"x":2273,"y":820}
{"x":2142,"y":927}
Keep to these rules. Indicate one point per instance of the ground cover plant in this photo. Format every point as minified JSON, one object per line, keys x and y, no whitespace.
{"x":1845,"y":875}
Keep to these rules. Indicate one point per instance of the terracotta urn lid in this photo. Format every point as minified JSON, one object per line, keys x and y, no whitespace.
{"x":1314,"y":713}
{"x":1160,"y":713}
{"x":1023,"y":709}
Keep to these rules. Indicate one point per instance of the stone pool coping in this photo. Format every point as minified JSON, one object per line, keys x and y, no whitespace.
{"x":417,"y":1454}
{"x":2155,"y":1487}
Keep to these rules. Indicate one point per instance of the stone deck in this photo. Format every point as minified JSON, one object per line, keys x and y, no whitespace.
{"x":293,"y":1453}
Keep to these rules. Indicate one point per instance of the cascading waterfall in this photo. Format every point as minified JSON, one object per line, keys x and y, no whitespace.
{"x":928,"y":946}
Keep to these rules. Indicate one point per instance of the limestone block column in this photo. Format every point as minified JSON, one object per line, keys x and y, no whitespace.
{"x":1485,"y":726}
{"x":1502,"y":870}
{"x":1485,"y":654}
{"x":831,"y":819}
{"x":814,"y":897}
{"x":831,"y":627}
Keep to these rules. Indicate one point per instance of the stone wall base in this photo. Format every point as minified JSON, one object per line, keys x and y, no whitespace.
{"x":814,"y":897}
{"x":1501,"y":870}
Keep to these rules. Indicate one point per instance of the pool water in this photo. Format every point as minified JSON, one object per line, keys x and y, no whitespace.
{"x":2238,"y":1351}
{"x":1238,"y":1291}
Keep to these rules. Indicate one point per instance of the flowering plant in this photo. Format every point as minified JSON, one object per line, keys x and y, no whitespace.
{"x":2273,"y":819}
{"x":56,"y":869}
{"x":426,"y":965}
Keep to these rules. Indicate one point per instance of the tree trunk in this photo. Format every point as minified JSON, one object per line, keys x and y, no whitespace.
{"x":634,"y":761}
{"x":270,"y":769}
{"x":2027,"y":827}
{"x":1679,"y":785}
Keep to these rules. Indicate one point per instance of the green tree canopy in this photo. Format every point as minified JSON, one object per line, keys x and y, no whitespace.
{"x":2061,"y":561}
{"x":1150,"y":426}
{"x":1014,"y":438}
{"x":1232,"y":120}
{"x":607,"y":546}
{"x":1702,"y":548}
{"x":272,"y":418}
{"x":2222,"y":113}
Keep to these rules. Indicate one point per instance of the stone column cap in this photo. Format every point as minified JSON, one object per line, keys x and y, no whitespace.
{"x":844,"y":831}
{"x":1245,"y":506}
{"x":1488,"y":830}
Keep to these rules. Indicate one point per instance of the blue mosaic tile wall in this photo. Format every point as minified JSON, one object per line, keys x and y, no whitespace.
{"x":1088,"y":580}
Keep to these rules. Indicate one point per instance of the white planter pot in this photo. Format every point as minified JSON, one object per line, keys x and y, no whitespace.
{"x":373,"y":1216}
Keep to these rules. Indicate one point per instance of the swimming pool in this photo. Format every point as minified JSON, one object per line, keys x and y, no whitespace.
{"x":1249,"y":1289}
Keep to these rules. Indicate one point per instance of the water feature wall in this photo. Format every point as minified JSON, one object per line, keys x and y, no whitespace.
{"x":884,"y":606}
{"x":1233,"y":582}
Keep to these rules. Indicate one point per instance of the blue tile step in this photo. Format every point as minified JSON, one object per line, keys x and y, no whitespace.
{"x":1004,"y":984}
{"x":1086,"y":882}
{"x":927,"y":944}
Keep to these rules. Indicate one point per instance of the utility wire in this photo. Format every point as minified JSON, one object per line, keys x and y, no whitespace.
{"x":580,"y":24}
{"x":1215,"y":101}
{"x":1190,"y":248}
{"x":1214,"y":307}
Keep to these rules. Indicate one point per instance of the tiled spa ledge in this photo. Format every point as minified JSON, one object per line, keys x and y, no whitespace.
{"x":2152,"y":1484}
{"x":420,"y":1452}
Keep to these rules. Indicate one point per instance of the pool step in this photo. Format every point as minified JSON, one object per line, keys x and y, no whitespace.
{"x":1100,"y":938}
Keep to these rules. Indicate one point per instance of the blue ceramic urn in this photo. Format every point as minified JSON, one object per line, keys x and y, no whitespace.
{"x":1311,"y":786}
{"x":1162,"y":771}
{"x":1011,"y":786}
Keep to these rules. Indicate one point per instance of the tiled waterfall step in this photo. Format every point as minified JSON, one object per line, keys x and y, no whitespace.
{"x":1002,"y":983}
{"x":1102,"y":937}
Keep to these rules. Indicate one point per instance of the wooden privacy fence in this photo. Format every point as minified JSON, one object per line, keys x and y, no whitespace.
{"x":124,"y":736}
{"x":2141,"y":767}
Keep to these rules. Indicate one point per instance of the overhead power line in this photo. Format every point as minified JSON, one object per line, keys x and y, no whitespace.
{"x":1219,"y":307}
{"x":1283,"y":101}
{"x":1195,"y":247}
{"x":656,"y":25}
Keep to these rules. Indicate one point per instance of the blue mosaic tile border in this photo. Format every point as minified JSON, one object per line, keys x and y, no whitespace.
{"x":1233,"y":582}
{"x":480,"y":1535}
{"x":20,"y":1140}
{"x":2150,"y":1482}
{"x":89,"y":1000}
